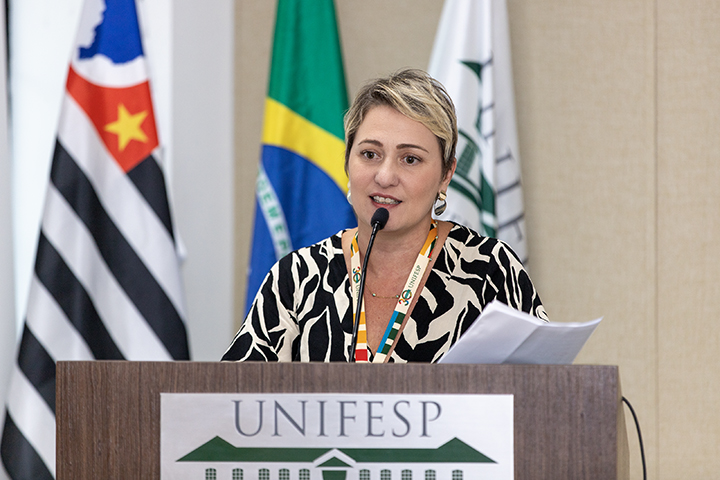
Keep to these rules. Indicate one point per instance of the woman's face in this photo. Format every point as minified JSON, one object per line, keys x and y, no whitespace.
{"x":395,"y":163}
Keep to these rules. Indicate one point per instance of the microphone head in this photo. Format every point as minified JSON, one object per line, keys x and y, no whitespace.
{"x":380,"y":218}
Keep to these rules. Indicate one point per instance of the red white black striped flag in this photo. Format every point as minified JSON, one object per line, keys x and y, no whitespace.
{"x":106,"y":283}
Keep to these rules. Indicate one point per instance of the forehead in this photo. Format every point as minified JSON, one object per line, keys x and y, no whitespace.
{"x":387,"y":125}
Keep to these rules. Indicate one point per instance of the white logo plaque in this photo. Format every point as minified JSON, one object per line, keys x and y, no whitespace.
{"x":336,"y":436}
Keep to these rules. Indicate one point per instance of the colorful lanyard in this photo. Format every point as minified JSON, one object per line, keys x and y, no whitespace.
{"x":403,"y":304}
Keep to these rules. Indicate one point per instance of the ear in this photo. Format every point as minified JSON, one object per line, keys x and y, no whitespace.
{"x":446,"y":181}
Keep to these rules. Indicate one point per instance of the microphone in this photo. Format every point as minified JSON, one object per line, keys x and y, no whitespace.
{"x":378,"y":221}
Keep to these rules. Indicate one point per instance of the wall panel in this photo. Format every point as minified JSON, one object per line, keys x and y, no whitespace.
{"x":688,"y":234}
{"x":584,"y":82}
{"x":253,"y":38}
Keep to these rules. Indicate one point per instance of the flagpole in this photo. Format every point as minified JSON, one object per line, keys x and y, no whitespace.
{"x":8,"y":328}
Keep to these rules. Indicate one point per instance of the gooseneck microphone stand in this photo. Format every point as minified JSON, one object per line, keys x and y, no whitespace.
{"x":378,"y":221}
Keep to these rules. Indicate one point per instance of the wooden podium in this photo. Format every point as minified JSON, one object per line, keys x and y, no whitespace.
{"x":568,"y":421}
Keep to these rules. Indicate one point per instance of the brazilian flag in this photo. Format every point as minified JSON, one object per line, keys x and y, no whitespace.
{"x":301,"y":183}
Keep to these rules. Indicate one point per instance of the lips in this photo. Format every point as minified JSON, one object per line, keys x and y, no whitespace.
{"x":384,"y":200}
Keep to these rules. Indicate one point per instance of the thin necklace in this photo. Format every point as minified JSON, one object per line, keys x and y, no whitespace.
{"x":396,"y":297}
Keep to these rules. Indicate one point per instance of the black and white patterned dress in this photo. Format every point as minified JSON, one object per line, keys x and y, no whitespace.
{"x":303,"y":311}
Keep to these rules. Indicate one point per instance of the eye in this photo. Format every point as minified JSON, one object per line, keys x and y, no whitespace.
{"x":370,"y":155}
{"x":411,"y":160}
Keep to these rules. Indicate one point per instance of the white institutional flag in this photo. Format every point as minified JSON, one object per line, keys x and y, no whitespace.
{"x":471,"y":57}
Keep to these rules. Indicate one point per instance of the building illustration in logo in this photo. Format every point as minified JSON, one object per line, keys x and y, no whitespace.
{"x":217,"y":459}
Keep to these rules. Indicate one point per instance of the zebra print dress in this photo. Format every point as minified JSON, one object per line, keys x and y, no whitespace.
{"x":303,"y":311}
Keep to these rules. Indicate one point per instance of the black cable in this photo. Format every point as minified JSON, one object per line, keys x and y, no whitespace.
{"x":640,"y":440}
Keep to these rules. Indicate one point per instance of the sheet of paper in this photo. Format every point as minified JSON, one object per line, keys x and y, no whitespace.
{"x":553,"y":343}
{"x":502,"y":334}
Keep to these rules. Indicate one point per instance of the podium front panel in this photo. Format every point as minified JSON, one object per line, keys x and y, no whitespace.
{"x":568,"y":420}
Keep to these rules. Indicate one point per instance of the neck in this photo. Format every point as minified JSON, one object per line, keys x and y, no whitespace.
{"x":392,"y":251}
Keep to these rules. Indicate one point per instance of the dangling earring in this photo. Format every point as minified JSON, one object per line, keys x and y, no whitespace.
{"x":441,"y":197}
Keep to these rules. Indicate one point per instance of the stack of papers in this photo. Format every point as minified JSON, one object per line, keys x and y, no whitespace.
{"x":502,"y":334}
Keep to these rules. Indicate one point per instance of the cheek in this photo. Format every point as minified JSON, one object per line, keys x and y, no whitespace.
{"x":437,"y":182}
{"x":356,"y":174}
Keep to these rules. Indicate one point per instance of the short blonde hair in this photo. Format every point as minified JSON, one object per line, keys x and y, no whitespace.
{"x":416,"y":95}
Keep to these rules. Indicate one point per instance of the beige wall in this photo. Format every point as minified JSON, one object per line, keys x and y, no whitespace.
{"x":688,"y":203}
{"x":618,"y":105}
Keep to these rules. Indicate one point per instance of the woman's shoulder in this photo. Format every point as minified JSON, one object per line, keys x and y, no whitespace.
{"x":321,"y":253}
{"x":464,"y":243}
{"x":462,"y":237}
{"x":326,"y":245}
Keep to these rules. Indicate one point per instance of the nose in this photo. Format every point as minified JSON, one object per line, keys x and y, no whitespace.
{"x":387,"y":174}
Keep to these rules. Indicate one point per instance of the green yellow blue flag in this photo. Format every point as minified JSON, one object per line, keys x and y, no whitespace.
{"x":301,"y":183}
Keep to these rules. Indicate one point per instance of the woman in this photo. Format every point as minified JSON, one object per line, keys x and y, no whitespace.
{"x":426,"y":281}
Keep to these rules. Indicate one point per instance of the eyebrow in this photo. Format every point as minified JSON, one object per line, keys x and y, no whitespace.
{"x":399,"y":146}
{"x":411,"y":145}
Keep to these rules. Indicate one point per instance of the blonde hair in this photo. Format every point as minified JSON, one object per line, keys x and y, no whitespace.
{"x":416,"y":95}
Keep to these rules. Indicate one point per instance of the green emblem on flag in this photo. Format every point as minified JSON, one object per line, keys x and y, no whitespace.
{"x":470,"y":179}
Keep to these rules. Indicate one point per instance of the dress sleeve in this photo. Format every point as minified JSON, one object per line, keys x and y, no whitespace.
{"x":270,"y":329}
{"x":509,"y":282}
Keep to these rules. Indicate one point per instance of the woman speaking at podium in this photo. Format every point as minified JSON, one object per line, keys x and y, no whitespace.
{"x":425,"y":281}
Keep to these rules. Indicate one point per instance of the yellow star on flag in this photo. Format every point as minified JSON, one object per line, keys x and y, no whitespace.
{"x":127,"y":127}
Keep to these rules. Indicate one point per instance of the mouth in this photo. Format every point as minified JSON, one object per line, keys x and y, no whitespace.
{"x":384,"y":200}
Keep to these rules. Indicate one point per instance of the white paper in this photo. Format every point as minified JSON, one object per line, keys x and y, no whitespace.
{"x":502,"y":334}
